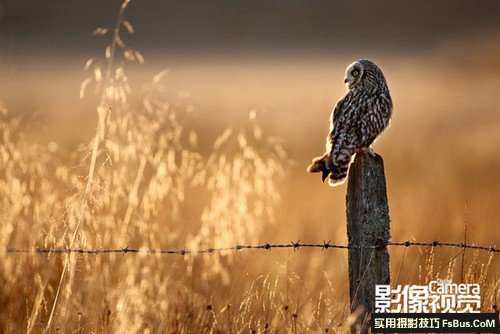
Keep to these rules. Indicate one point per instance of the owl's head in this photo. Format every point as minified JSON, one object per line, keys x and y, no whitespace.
{"x":353,"y":74}
{"x":364,"y":73}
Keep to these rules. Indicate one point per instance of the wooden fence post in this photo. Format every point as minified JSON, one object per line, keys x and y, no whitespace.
{"x":368,"y":224}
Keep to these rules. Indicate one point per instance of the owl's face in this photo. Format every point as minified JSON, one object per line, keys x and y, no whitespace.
{"x":353,"y":74}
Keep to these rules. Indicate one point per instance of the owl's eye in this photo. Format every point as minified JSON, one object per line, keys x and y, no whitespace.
{"x":355,"y":73}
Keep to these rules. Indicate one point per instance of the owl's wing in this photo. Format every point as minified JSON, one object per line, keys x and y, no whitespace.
{"x":375,"y":117}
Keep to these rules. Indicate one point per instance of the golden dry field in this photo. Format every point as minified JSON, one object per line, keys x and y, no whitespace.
{"x":193,"y":152}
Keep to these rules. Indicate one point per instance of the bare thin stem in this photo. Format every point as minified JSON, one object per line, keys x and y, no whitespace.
{"x":95,"y":150}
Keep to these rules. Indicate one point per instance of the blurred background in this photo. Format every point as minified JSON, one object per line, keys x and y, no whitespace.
{"x":441,"y":59}
{"x":286,"y":61}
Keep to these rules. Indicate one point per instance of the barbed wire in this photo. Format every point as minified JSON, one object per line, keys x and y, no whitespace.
{"x":266,"y":246}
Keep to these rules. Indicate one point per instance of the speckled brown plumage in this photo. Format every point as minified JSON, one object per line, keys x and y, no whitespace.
{"x":356,"y":121}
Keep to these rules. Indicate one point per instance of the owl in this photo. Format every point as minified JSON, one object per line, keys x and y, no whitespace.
{"x":356,"y":121}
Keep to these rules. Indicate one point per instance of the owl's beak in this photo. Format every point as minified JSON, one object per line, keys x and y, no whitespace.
{"x":346,"y":80}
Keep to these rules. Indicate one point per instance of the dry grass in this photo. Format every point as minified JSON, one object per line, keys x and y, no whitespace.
{"x":156,"y":173}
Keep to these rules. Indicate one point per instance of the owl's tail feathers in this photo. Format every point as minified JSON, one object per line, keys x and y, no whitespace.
{"x":336,"y":179}
{"x":317,"y":165}
{"x":338,"y":174}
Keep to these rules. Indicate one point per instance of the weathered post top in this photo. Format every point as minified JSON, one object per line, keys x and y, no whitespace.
{"x":368,"y":225}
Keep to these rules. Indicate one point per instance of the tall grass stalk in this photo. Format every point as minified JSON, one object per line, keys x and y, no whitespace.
{"x":98,"y":138}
